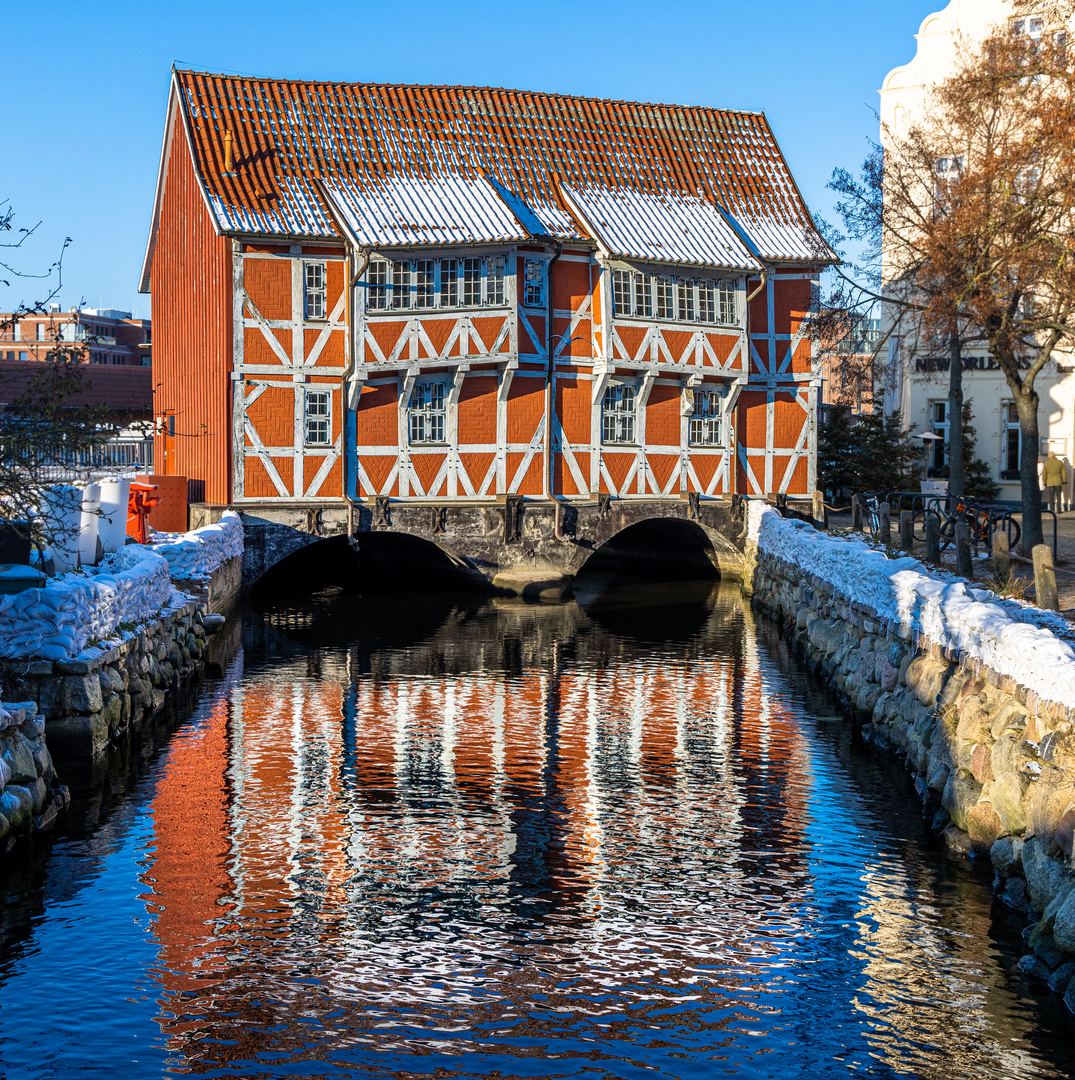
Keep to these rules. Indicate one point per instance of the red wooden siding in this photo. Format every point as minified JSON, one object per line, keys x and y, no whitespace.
{"x":191,"y":284}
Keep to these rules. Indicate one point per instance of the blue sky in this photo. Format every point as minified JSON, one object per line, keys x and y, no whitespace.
{"x":83,"y":87}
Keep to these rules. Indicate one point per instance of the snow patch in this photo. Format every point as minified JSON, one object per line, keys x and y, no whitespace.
{"x":1014,"y":640}
{"x":193,"y":556}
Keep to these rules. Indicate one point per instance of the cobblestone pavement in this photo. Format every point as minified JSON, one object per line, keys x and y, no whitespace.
{"x":1065,"y":559}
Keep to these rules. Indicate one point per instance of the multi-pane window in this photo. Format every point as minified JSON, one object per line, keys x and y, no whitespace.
{"x":938,"y":425}
{"x":682,"y":299}
{"x":1013,"y":441}
{"x":425,"y":283}
{"x":618,"y":415}
{"x":472,"y":282}
{"x":1033,"y":26}
{"x":314,"y":289}
{"x":707,"y":425}
{"x":426,"y":415}
{"x":318,"y":418}
{"x":533,"y":282}
{"x":402,"y":284}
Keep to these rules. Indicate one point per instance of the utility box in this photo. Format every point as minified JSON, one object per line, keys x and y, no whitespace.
{"x":170,"y":513}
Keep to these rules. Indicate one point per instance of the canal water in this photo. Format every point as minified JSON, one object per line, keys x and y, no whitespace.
{"x":628,"y":837}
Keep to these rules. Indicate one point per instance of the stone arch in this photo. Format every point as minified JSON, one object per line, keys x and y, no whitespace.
{"x":396,"y":558}
{"x":666,"y":547}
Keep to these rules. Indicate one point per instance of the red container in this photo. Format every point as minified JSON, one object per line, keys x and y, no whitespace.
{"x":170,"y":513}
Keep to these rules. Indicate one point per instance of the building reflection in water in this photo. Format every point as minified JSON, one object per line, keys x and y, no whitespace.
{"x":526,"y":831}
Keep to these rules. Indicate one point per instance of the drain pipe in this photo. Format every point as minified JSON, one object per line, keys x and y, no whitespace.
{"x":364,"y":259}
{"x":547,"y":471}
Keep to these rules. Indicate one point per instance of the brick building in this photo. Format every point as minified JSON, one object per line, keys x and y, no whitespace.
{"x":109,"y":336}
{"x":460,"y":294}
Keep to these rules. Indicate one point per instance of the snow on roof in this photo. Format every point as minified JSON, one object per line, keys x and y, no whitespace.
{"x":412,"y":158}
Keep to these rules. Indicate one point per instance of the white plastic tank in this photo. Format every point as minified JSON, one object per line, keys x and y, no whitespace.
{"x":112,"y":524}
{"x":61,"y":513}
{"x":87,"y":534}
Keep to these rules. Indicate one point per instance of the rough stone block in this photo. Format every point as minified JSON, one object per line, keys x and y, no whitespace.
{"x":83,"y":693}
{"x":982,"y":763}
{"x":1044,"y":875}
{"x":961,"y":794}
{"x":1007,"y":794}
{"x":1006,"y":855}
{"x":16,"y":804}
{"x":926,"y":677}
{"x":1058,"y":981}
{"x":111,"y":681}
{"x":83,"y":736}
{"x":19,"y":758}
{"x":984,"y":826}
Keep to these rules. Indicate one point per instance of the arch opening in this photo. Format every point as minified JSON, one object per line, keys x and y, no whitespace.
{"x":657,"y":550}
{"x":377,"y":562}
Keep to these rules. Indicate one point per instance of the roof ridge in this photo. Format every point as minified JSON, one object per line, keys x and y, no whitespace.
{"x":470,"y":86}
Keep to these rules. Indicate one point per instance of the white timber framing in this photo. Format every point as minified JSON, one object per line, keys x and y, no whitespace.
{"x":775,"y":376}
{"x":293,"y":372}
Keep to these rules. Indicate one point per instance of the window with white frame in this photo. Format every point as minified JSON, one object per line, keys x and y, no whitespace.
{"x":946,"y":172}
{"x":707,"y":421}
{"x":1033,"y":26}
{"x":534,"y":282}
{"x":618,"y":415}
{"x":313,"y":274}
{"x":318,"y":412}
{"x":425,"y":284}
{"x":1012,"y":446}
{"x":939,"y":426}
{"x":426,"y":416}
{"x":681,"y":299}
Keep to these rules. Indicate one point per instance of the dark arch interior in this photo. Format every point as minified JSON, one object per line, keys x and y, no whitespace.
{"x":664,"y":549}
{"x":381,"y":561}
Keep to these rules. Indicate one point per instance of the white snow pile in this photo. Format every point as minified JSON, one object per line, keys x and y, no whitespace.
{"x":1013,"y":640}
{"x":57,"y":621}
{"x":193,"y":556}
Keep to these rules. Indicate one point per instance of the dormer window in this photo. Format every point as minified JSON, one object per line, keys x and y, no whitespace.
{"x":427,"y":284}
{"x":679,"y":299}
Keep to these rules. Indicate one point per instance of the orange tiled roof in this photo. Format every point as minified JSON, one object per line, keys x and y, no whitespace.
{"x":498,"y":164}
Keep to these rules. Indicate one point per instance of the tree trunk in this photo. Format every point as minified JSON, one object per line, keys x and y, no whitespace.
{"x":955,"y":418}
{"x":1026,"y":404}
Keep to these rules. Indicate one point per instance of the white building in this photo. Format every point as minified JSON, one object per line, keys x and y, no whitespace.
{"x":917,"y":382}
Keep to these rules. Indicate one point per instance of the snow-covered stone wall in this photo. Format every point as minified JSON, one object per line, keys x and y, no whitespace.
{"x":193,"y":556}
{"x":59,"y":620}
{"x":1032,"y":647}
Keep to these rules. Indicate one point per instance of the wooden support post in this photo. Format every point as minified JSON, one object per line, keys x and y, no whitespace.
{"x":906,"y":530}
{"x":1002,"y":556}
{"x":856,"y":513}
{"x":819,"y":510}
{"x":884,"y":530}
{"x":964,"y":561}
{"x":1045,"y":594}
{"x":933,"y":538}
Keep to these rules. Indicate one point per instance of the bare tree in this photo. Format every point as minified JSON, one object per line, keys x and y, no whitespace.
{"x":968,"y":220}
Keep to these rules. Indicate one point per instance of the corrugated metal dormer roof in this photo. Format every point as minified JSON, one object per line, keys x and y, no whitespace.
{"x":446,"y":164}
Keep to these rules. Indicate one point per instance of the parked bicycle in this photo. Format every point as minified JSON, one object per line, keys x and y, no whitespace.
{"x":983,"y":520}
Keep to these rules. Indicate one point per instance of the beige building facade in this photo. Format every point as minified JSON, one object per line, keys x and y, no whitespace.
{"x":916,"y":376}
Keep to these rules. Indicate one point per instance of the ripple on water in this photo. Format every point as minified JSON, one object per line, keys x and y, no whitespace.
{"x":535,"y":842}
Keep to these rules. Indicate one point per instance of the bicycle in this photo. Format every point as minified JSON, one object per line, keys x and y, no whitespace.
{"x":983,"y":522}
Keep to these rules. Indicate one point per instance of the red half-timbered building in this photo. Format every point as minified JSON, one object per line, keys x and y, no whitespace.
{"x":460,"y":294}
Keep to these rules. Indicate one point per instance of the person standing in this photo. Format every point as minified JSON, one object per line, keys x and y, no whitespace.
{"x":1054,"y":475}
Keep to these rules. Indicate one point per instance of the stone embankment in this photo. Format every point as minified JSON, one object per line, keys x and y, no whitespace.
{"x":976,"y":693}
{"x":93,"y":653}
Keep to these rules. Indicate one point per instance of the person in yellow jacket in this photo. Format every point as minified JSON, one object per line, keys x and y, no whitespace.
{"x":1054,"y":475}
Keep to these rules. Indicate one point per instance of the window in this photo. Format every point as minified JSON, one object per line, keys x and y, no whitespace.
{"x":618,"y":415}
{"x":318,"y":418}
{"x":424,"y":283}
{"x":472,"y":282}
{"x":534,"y":283}
{"x":314,"y":286}
{"x":707,"y":421}
{"x":426,"y":413}
{"x":427,"y":284}
{"x":22,"y":356}
{"x":947,"y":171}
{"x":1012,"y":445}
{"x":938,"y":425}
{"x":40,"y":331}
{"x":377,"y":293}
{"x":682,"y":299}
{"x":449,"y":282}
{"x":494,"y":279}
{"x":1032,"y":26}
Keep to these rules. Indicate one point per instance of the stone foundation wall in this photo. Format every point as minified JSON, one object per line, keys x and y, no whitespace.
{"x":998,"y":764}
{"x":30,"y":792}
{"x":88,"y":702}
